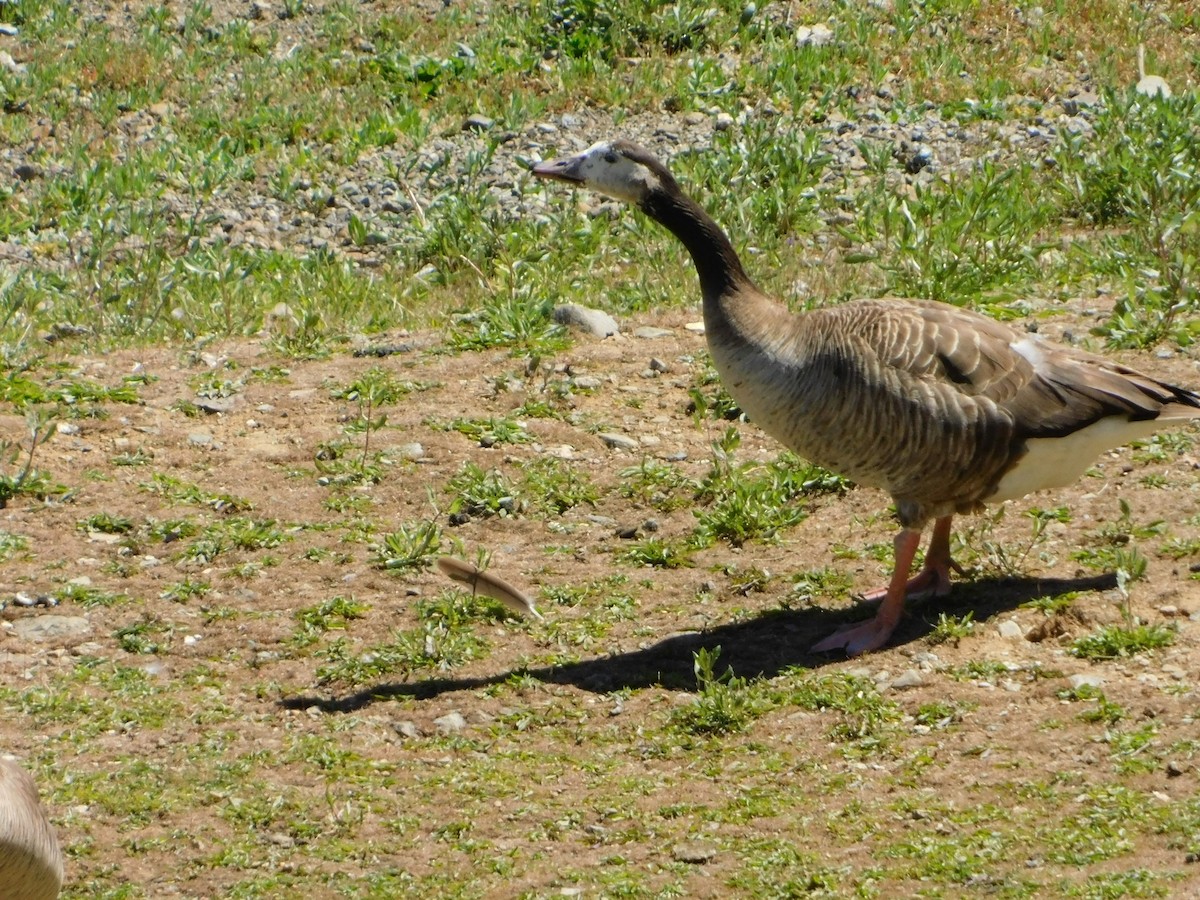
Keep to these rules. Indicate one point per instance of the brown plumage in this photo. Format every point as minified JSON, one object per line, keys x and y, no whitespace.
{"x":943,"y":408}
{"x":31,"y":865}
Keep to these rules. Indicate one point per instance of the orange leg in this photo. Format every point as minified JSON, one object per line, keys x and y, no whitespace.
{"x":934,"y":578}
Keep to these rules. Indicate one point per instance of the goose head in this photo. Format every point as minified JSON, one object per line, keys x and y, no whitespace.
{"x":618,"y":169}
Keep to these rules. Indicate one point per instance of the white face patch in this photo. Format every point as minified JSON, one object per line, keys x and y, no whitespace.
{"x":608,"y":172}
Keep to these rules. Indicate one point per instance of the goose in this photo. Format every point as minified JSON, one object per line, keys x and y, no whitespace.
{"x":31,"y":865}
{"x":943,"y":408}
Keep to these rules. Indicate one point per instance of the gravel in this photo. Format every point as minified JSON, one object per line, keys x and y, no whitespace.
{"x":393,"y":214}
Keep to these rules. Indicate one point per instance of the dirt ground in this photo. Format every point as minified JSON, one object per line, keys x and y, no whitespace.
{"x":239,"y":635}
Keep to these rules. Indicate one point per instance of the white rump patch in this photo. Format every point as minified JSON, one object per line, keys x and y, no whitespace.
{"x":1031,"y":349}
{"x":1058,"y":462}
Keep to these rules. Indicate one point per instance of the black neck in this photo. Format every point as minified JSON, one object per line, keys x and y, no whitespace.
{"x":716,"y":261}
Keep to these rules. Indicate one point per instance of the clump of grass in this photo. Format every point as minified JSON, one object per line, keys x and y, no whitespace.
{"x":1137,"y":178}
{"x":411,"y":546}
{"x":864,"y":717}
{"x":483,"y":492}
{"x":446,"y":638}
{"x":107,"y":523}
{"x":333,"y":614}
{"x":951,"y":629}
{"x":89,"y":597}
{"x":492,"y":431}
{"x":22,"y":479}
{"x":754,"y":501}
{"x":724,"y":704}
{"x":558,"y":486}
{"x":185,"y":590}
{"x":178,"y":491}
{"x":657,"y":484}
{"x":11,"y":544}
{"x":1116,"y":641}
{"x":660,"y":554}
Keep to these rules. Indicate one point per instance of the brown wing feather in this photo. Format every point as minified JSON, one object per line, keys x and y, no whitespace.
{"x":936,"y":403}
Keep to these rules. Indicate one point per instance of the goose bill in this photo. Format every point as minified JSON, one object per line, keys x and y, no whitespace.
{"x":565,"y":169}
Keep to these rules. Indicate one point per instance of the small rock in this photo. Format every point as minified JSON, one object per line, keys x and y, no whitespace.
{"x":1084,"y":679}
{"x":618,"y":441}
{"x":450,"y":723}
{"x":649,"y":332}
{"x":216,"y":405}
{"x":200,"y":439}
{"x":657,"y":365}
{"x":478,"y":122}
{"x":27,"y":172}
{"x":695,"y":327}
{"x":413,"y":450}
{"x":23,"y":599}
{"x":813,"y":35}
{"x":1175,"y":769}
{"x":1011,"y":629}
{"x":693,"y":852}
{"x":909,"y":679}
{"x":919,"y":160}
{"x":591,"y":321}
{"x":407,"y":729}
{"x":7,"y":62}
{"x":723,"y":122}
{"x":59,"y":629}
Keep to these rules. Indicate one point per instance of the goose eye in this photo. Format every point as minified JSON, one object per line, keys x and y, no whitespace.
{"x":610,"y":158}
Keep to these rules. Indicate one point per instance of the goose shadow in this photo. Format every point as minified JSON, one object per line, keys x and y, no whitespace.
{"x":761,"y":647}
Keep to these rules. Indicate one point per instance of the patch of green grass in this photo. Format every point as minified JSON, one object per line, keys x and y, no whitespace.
{"x":332,"y":614}
{"x":1136,"y":177}
{"x":1117,"y":641}
{"x":411,"y":546}
{"x":1052,"y":605}
{"x":12,"y":544}
{"x":178,"y":491}
{"x":478,"y":491}
{"x":142,"y":637}
{"x":753,"y":501}
{"x":492,"y":431}
{"x":516,"y":321}
{"x":107,"y":523}
{"x":446,"y":638}
{"x":187,"y":589}
{"x":770,"y":867}
{"x":951,"y":629}
{"x":89,"y":597}
{"x":657,"y":484}
{"x":938,"y":714}
{"x":17,"y":478}
{"x":557,"y":486}
{"x":660,"y":554}
{"x":724,"y":704}
{"x":863,"y":717}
